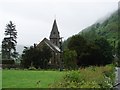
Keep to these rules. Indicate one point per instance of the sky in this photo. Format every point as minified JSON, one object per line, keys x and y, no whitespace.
{"x":34,"y":18}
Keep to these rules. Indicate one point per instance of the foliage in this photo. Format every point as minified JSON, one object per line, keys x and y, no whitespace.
{"x":91,"y":77}
{"x":32,"y":68}
{"x":91,"y":33}
{"x":37,"y":57}
{"x":8,"y":62}
{"x":118,"y":49}
{"x":105,"y":50}
{"x":108,"y":29}
{"x":70,"y":59}
{"x":97,"y":52}
{"x":9,"y":42}
{"x":118,"y":52}
{"x":77,"y":43}
{"x":91,"y":56}
{"x":65,"y":43}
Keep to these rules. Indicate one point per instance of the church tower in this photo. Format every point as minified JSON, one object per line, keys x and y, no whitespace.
{"x":54,"y":35}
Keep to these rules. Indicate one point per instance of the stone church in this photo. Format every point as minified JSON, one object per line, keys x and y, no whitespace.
{"x":54,"y":43}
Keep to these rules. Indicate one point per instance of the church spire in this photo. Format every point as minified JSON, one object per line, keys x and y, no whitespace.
{"x":54,"y":35}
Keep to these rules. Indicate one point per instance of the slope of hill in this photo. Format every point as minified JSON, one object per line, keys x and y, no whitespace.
{"x":107,"y":29}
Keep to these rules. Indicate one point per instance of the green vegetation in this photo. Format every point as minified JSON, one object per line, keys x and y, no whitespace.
{"x":70,"y":59}
{"x":118,"y":53}
{"x":91,"y":51}
{"x":107,"y":29}
{"x":9,"y":42}
{"x":35,"y":56}
{"x":0,"y":79}
{"x":98,"y":52}
{"x":29,"y":78}
{"x":91,"y":77}
{"x":102,"y":42}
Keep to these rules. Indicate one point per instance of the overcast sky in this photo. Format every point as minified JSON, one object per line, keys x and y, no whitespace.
{"x":34,"y":18}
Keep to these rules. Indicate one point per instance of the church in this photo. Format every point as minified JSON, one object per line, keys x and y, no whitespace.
{"x":54,"y":43}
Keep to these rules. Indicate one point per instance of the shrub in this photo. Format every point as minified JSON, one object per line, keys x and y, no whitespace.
{"x":8,"y":62}
{"x":91,"y":77}
{"x":32,"y":68}
{"x":70,"y":57}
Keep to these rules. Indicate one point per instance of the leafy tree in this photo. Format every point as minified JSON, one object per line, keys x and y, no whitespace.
{"x":77,"y":43}
{"x":37,"y":57}
{"x":70,"y":61}
{"x":9,"y":42}
{"x":43,"y":55}
{"x":26,"y":57}
{"x":105,"y":50}
{"x":91,"y":56}
{"x":98,"y":52}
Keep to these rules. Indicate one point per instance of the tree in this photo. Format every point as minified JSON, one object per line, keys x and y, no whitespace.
{"x":43,"y":55}
{"x":37,"y":57}
{"x":26,"y":57}
{"x":77,"y":43}
{"x":70,"y":61}
{"x":9,"y":42}
{"x":91,"y":56}
{"x":105,"y":50}
{"x":98,"y":52}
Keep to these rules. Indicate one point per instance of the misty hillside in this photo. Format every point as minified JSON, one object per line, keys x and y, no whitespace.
{"x":107,"y":29}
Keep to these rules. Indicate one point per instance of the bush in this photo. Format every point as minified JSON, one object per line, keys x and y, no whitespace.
{"x":32,"y":68}
{"x":8,"y":62}
{"x":70,"y":57}
{"x":91,"y":77}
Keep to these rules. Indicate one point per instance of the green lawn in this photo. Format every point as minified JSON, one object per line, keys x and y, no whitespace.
{"x":0,"y":79}
{"x":89,"y":77}
{"x":29,"y":79}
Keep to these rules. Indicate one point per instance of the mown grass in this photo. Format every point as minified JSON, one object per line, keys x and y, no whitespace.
{"x":29,"y":79}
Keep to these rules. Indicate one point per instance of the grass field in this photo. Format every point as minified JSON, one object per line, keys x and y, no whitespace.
{"x":0,"y":79}
{"x":90,"y":77}
{"x":29,"y":79}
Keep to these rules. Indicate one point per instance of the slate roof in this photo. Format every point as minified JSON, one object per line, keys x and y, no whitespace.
{"x":50,"y":45}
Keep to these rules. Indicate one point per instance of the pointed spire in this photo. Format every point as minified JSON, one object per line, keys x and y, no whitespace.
{"x":54,"y":32}
{"x":54,"y":35}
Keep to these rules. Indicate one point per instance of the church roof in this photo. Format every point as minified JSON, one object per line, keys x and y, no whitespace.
{"x":50,"y":45}
{"x":54,"y":33}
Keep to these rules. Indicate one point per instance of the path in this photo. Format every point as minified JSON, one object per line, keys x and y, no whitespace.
{"x":118,"y":78}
